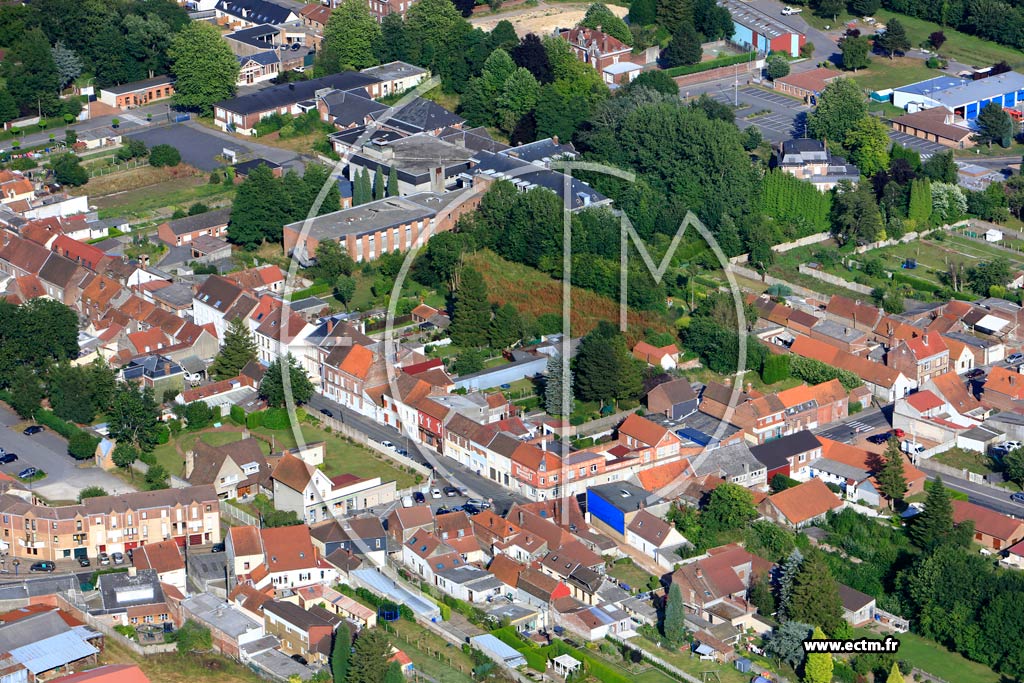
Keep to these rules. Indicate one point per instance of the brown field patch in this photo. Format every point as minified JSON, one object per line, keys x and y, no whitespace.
{"x":534,"y":292}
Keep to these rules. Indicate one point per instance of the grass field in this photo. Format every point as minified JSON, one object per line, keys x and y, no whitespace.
{"x":936,"y":660}
{"x":532,"y":291}
{"x":630,"y":573}
{"x":342,"y":457}
{"x":146,"y":202}
{"x":971,"y":460}
{"x":172,"y":668}
{"x":959,"y":46}
{"x":889,"y":73}
{"x":692,"y":665}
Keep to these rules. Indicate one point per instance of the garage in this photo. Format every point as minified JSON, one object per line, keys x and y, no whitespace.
{"x":195,"y":539}
{"x":81,"y":552}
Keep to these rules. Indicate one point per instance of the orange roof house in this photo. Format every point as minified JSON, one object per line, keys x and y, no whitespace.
{"x":664,"y":357}
{"x":1003,"y":389}
{"x":112,"y":673}
{"x":801,"y":505}
{"x":991,"y":529}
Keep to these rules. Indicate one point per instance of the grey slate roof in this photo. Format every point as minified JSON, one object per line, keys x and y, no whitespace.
{"x":422,"y":115}
{"x":290,"y":93}
{"x":727,"y":461}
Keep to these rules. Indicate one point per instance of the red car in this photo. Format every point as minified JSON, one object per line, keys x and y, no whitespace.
{"x":899,"y":433}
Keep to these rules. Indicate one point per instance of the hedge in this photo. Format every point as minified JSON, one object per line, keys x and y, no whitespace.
{"x":276,"y":418}
{"x":316,"y":290}
{"x":707,"y":66}
{"x":238,"y":415}
{"x":916,"y":282}
{"x":254,"y":420}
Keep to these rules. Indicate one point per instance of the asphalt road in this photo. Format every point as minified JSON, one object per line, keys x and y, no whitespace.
{"x":446,"y":471}
{"x":48,"y":452}
{"x":855,"y":426}
{"x":993,"y":499}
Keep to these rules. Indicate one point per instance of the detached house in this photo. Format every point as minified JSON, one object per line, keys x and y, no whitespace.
{"x":655,"y":538}
{"x":665,"y":357}
{"x":802,"y":505}
{"x":920,"y":358}
{"x":183,"y":231}
{"x":307,"y":633}
{"x":236,"y":470}
{"x":315,"y":497}
{"x":715,"y":588}
{"x":674,"y":399}
{"x":991,"y":529}
{"x":1004,"y":389}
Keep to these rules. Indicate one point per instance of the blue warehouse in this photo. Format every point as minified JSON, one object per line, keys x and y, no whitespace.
{"x":963,"y":98}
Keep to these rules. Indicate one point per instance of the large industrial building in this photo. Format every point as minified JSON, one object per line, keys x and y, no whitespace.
{"x":756,"y":30}
{"x":963,"y":98}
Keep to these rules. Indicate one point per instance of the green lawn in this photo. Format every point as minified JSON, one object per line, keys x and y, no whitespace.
{"x":705,"y":375}
{"x":959,"y":46}
{"x":971,"y":460}
{"x":343,"y":456}
{"x":936,"y":660}
{"x":630,"y":573}
{"x":691,"y":664}
{"x":177,"y":193}
{"x":890,"y":73}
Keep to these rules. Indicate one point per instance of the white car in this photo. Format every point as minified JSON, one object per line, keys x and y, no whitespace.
{"x":435,"y":492}
{"x":1010,"y":445}
{"x":388,"y":445}
{"x":787,"y":11}
{"x":913,"y":448}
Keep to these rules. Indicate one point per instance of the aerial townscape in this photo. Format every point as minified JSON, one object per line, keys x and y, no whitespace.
{"x":521,"y":341}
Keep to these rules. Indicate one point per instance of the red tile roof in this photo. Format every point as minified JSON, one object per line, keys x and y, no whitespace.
{"x":112,"y":673}
{"x":805,"y":501}
{"x":923,"y":401}
{"x":642,"y":429}
{"x":287,"y":548}
{"x":927,"y":346}
{"x":1005,"y":381}
{"x":987,"y":521}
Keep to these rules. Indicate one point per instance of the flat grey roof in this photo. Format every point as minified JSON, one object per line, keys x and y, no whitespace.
{"x":366,"y":218}
{"x":393,"y":70}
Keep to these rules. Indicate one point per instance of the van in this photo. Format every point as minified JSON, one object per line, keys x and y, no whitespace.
{"x":407,"y":501}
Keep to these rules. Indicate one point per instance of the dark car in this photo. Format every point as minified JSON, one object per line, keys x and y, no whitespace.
{"x":217,"y":548}
{"x":451,"y":491}
{"x":879,"y":438}
{"x":471,"y":509}
{"x":976,"y":373}
{"x":8,"y":457}
{"x":34,"y":429}
{"x":300,"y":659}
{"x":84,"y":562}
{"x":42,"y":567}
{"x":28,"y":472}
{"x":1018,"y":498}
{"x":418,"y":497}
{"x":326,"y":412}
{"x":118,"y":558}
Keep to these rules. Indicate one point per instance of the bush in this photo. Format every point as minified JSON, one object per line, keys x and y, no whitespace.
{"x":164,"y":155}
{"x":238,"y":415}
{"x":254,"y":420}
{"x":276,"y":419}
{"x":163,"y":434}
{"x":706,"y":66}
{"x":48,"y":419}
{"x":82,"y":446}
{"x":916,"y":282}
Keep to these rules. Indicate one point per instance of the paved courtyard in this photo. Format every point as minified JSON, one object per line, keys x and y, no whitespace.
{"x":200,"y":147}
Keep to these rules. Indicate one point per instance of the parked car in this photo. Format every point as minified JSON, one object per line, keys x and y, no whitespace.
{"x":451,"y":491}
{"x":470,"y":509}
{"x":974,"y":373}
{"x":1010,"y":445}
{"x":879,"y":438}
{"x":36,"y":429}
{"x":118,"y":558}
{"x":84,"y":562}
{"x":104,"y":559}
{"x":898,"y":433}
{"x":28,"y":472}
{"x":8,"y":457}
{"x":435,"y":492}
{"x":388,"y":445}
{"x":913,"y":448}
{"x":419,"y":497}
{"x":479,"y":502}
{"x":42,"y":567}
{"x":789,"y":11}
{"x":324,"y":411}
{"x":1015,"y":358}
{"x":1017,"y":497}
{"x":402,"y":451}
{"x":217,"y":548}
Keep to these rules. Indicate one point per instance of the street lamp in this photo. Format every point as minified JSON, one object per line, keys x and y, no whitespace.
{"x":16,"y":563}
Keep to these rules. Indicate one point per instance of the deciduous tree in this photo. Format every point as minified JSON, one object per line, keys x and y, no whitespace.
{"x":599,"y":16}
{"x":31,"y":73}
{"x":344,"y":289}
{"x":855,"y":216}
{"x":531,"y":55}
{"x":259,"y":204}
{"x":26,"y":392}
{"x":840,"y":107}
{"x":868,"y":142}
{"x":730,"y":507}
{"x":205,"y":69}
{"x":134,"y":418}
{"x":351,"y":38}
{"x":777,"y":66}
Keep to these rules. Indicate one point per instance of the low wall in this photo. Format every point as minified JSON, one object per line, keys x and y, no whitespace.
{"x":348,"y":431}
{"x":834,"y":280}
{"x":750,"y":274}
{"x":741,"y":71}
{"x":816,"y":238}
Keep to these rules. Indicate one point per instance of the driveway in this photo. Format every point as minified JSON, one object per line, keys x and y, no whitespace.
{"x":824,"y":42}
{"x":47,"y":451}
{"x":200,"y":146}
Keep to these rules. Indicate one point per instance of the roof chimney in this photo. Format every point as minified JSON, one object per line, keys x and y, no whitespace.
{"x":699,"y":572}
{"x":132,"y":571}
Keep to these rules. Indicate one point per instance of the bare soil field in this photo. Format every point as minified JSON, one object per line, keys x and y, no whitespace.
{"x":542,"y":19}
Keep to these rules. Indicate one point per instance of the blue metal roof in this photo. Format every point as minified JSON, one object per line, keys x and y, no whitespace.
{"x":48,"y":654}
{"x":694,"y":435}
{"x":931,"y":85}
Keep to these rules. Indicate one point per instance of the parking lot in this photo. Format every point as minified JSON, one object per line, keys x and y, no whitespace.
{"x":200,"y":147}
{"x":924,"y":147}
{"x":777,"y":116}
{"x":48,"y":452}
